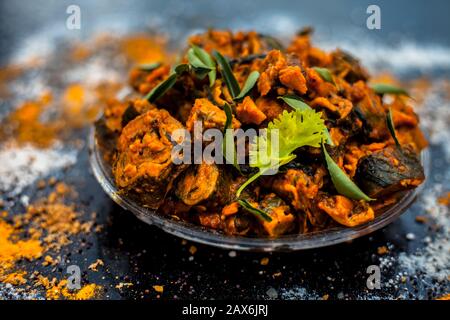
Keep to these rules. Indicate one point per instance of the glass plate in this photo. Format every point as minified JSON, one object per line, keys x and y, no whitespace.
{"x":189,"y":231}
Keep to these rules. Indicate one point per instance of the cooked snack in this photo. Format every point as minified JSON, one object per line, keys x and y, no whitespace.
{"x":344,"y":153}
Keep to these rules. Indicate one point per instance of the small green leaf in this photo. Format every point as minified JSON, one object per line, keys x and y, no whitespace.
{"x":195,"y":61}
{"x":149,"y":66}
{"x":298,"y":104}
{"x":391,"y":127}
{"x":343,"y":184}
{"x":248,"y":85}
{"x":229,"y":136}
{"x":206,"y":58}
{"x":256,"y":211}
{"x":229,"y":114}
{"x":162,"y":88}
{"x":181,"y":68}
{"x":158,"y":91}
{"x":295,"y":102}
{"x":384,"y":88}
{"x":200,"y":68}
{"x":325,"y":74}
{"x":227,"y":74}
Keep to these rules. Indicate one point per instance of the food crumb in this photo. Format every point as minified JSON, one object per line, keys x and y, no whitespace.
{"x":445,"y":200}
{"x":158,"y":288}
{"x":264,"y":261}
{"x":421,"y":219}
{"x":95,"y":265}
{"x":382,"y":250}
{"x":193,"y":249}
{"x":410,"y":236}
{"x":276,"y":274}
{"x":48,"y":260}
{"x":444,"y":297}
{"x":121,"y":285}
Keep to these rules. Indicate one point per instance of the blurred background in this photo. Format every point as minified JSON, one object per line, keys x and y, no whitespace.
{"x":413,"y":35}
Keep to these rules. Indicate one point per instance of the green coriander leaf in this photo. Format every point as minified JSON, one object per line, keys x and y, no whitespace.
{"x":298,"y":104}
{"x":291,"y":130}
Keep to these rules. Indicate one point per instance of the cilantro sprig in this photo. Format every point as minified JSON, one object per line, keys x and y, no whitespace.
{"x":293,"y":130}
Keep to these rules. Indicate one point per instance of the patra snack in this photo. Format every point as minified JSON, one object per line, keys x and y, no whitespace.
{"x":344,"y":154}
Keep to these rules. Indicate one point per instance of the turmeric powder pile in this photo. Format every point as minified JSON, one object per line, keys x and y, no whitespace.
{"x":49,"y":103}
{"x":39,"y":234}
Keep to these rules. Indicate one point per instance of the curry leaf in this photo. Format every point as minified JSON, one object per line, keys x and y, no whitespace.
{"x":343,"y":184}
{"x":325,"y":74}
{"x":227,"y":74}
{"x":229,"y":139}
{"x":199,"y":67}
{"x":206,"y":58}
{"x":295,"y":102}
{"x":149,"y":66}
{"x":248,"y":85}
{"x":391,"y":127}
{"x":158,"y":91}
{"x":298,"y":104}
{"x":181,"y":68}
{"x":256,"y":211}
{"x":162,"y":88}
{"x":384,"y":88}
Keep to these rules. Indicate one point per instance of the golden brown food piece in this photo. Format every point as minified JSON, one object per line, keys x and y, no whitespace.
{"x":270,"y":69}
{"x":237,"y":45}
{"x":293,"y":78}
{"x":248,"y":112}
{"x":270,"y":107}
{"x":282,"y":220}
{"x":198,"y":183}
{"x":389,"y":170}
{"x":144,"y":81}
{"x":347,"y":212}
{"x":144,"y":164}
{"x":301,"y":198}
{"x":209,"y":115}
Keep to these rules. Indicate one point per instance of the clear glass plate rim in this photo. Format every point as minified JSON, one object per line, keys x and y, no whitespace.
{"x":206,"y":236}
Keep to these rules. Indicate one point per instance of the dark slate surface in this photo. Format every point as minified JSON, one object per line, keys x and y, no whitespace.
{"x":145,"y":256}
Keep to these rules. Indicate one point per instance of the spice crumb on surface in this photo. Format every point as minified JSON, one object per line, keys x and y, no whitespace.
{"x":158,"y":288}
{"x":264,"y":261}
{"x":94,"y":266}
{"x":382,"y":250}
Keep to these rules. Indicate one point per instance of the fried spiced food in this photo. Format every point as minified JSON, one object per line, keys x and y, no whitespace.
{"x":144,"y":165}
{"x":301,"y":197}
